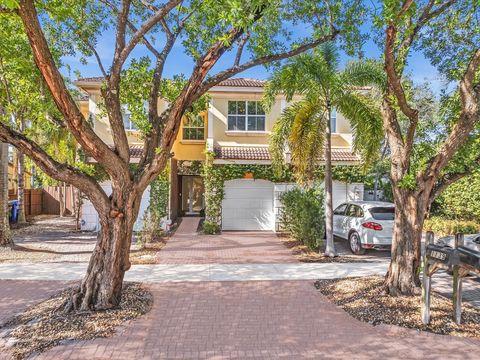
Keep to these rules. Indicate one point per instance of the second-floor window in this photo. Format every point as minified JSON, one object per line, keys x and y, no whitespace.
{"x":194,"y":127}
{"x":246,"y":116}
{"x":333,"y":121}
{"x":127,"y":121}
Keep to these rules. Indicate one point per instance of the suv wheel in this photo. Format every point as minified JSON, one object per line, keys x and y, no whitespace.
{"x":355,"y":244}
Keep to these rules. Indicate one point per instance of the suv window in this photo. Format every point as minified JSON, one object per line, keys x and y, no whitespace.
{"x":354,"y":211}
{"x":383,"y":213}
{"x":340,"y":210}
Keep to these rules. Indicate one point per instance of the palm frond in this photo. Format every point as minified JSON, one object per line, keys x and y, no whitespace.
{"x":303,"y":131}
{"x":364,"y":73}
{"x":329,"y":54}
{"x":306,"y":140}
{"x":279,"y":137}
{"x":301,"y":75}
{"x":366,"y":122}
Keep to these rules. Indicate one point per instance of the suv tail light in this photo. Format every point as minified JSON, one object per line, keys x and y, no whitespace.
{"x":372,"y":225}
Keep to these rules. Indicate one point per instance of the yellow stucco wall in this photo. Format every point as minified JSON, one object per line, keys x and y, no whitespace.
{"x":219,"y":111}
{"x":190,"y":149}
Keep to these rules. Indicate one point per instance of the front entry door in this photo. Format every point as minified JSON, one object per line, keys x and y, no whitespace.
{"x":192,"y":195}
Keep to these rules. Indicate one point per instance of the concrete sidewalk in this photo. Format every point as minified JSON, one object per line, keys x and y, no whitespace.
{"x":198,"y":272}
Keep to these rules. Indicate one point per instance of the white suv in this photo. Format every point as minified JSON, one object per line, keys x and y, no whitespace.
{"x":365,"y":224}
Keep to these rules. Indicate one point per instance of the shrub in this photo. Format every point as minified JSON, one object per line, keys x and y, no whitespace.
{"x":210,"y":228}
{"x":151,"y":229}
{"x":442,"y":226}
{"x":460,"y":200}
{"x":303,"y":215}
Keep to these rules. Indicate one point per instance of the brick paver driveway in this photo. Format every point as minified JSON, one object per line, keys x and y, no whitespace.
{"x":257,"y":320}
{"x":185,"y":247}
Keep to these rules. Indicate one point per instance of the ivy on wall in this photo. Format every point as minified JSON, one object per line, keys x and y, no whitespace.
{"x":157,"y":208}
{"x":214,"y":177}
{"x":344,"y":173}
{"x":187,"y":167}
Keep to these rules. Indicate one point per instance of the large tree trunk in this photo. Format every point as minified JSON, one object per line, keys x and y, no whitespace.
{"x":101,"y":288}
{"x":330,"y":246}
{"x":403,"y":275}
{"x":5,"y":237}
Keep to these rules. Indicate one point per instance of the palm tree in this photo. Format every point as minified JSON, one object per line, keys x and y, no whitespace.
{"x":305,"y":127}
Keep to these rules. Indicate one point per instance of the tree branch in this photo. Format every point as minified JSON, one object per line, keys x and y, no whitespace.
{"x":445,"y":181}
{"x":223,"y":75}
{"x":5,"y":83}
{"x":154,"y":136}
{"x":393,"y":77}
{"x":144,"y":28}
{"x":469,"y":116}
{"x":56,"y":170}
{"x":91,"y":47}
{"x":241,"y":45}
{"x":132,"y":28}
{"x":75,"y":121}
{"x":425,"y":16}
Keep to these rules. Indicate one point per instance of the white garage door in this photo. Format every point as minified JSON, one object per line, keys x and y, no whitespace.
{"x":248,"y":205}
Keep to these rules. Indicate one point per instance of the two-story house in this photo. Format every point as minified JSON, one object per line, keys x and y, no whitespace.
{"x":236,"y":129}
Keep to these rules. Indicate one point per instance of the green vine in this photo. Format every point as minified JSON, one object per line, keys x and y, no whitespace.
{"x":187,"y":167}
{"x":159,"y":191}
{"x":214,"y":177}
{"x":157,"y":209}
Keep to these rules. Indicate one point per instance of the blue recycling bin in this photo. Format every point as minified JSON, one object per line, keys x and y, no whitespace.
{"x":14,"y":211}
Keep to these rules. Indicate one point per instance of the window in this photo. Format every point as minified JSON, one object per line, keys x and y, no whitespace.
{"x":355,"y":211}
{"x":246,"y":116}
{"x":333,"y":121}
{"x":194,"y":127}
{"x":340,"y":210}
{"x":127,"y":120}
{"x":383,"y":213}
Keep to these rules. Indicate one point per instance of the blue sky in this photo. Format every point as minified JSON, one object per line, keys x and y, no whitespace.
{"x":419,"y":68}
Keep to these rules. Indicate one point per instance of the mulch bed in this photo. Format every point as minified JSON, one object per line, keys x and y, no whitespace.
{"x":147,"y":254}
{"x":304,"y":254}
{"x":365,"y":300}
{"x":44,"y":326}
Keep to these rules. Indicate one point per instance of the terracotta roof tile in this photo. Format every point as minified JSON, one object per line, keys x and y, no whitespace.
{"x":243,"y":82}
{"x":344,"y":155}
{"x":262,"y":153}
{"x":136,"y":151}
{"x":236,"y":82}
{"x":92,"y":79}
{"x":242,"y":153}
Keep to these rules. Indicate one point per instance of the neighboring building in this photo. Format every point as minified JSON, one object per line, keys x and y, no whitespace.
{"x":236,"y":130}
